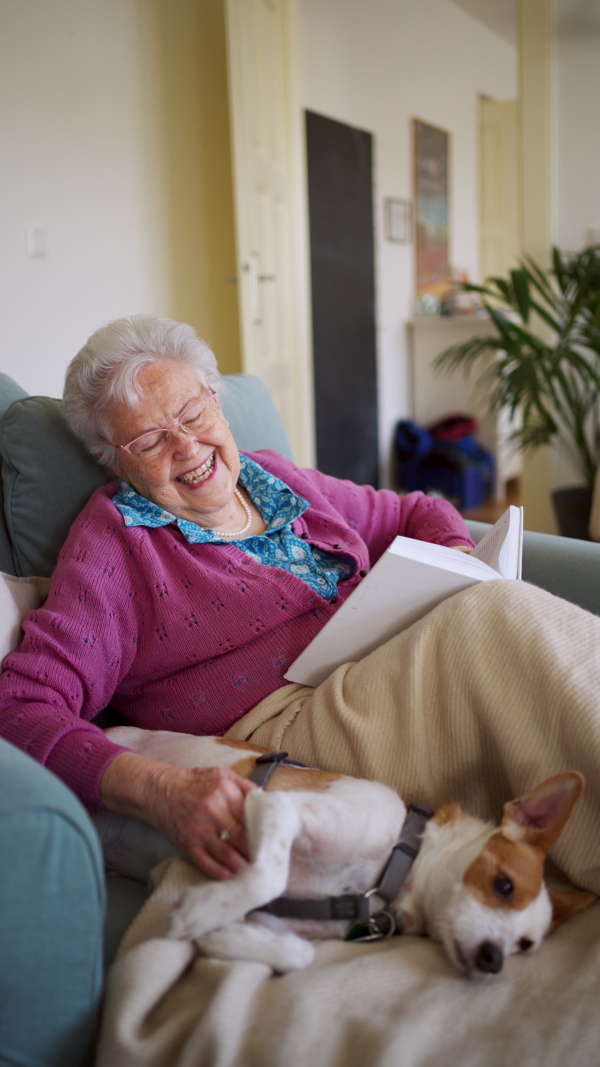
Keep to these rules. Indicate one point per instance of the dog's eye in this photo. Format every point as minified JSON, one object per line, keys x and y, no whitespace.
{"x":503,"y":887}
{"x":525,"y":944}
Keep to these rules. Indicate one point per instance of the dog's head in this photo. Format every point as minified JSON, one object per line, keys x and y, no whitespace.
{"x":491,"y":901}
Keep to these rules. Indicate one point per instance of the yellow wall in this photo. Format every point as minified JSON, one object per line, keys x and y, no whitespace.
{"x":192,"y":81}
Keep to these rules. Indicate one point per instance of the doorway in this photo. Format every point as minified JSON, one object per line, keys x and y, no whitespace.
{"x":340,"y":197}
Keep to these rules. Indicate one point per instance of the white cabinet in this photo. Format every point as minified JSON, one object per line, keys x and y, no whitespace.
{"x":434,"y":395}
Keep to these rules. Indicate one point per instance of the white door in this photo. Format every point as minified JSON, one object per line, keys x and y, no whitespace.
{"x":271,"y":217}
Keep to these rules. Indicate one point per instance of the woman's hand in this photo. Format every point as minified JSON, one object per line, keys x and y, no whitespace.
{"x":192,"y":807}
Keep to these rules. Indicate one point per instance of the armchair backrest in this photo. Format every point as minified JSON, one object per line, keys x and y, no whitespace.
{"x":47,"y":475}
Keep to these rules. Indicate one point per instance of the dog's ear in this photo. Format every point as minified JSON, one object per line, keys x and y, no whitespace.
{"x":567,"y":902}
{"x":539,"y":817}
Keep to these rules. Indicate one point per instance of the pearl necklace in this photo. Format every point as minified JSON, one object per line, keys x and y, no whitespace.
{"x":248,"y":514}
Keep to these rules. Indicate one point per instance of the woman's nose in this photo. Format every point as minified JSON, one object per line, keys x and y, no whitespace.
{"x":185,"y":442}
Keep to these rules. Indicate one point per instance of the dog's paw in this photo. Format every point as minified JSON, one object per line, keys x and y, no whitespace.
{"x":295,"y":954}
{"x":183,"y":925}
{"x":249,"y":941}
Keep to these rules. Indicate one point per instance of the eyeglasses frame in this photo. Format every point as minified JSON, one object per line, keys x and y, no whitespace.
{"x":163,"y":429}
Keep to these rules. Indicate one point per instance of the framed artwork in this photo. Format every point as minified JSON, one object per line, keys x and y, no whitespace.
{"x":398,"y":220}
{"x":431,"y":154}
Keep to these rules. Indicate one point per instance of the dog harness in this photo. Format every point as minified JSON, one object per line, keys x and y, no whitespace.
{"x":368,"y":924}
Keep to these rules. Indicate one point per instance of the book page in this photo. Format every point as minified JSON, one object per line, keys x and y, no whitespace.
{"x":441,"y":557}
{"x":501,"y":548}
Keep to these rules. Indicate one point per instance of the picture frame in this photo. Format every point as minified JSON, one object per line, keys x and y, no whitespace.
{"x":398,"y":220}
{"x":432,"y":208}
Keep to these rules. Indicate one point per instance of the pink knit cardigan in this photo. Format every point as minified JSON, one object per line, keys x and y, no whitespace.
{"x":181,"y":636}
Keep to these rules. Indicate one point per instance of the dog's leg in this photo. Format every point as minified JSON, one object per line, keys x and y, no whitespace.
{"x":251,"y":941}
{"x":272,"y":822}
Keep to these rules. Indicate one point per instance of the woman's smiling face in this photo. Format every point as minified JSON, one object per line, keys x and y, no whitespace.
{"x":195,"y":477}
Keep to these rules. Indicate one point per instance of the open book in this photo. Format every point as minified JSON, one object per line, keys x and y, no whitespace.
{"x":410,"y":579}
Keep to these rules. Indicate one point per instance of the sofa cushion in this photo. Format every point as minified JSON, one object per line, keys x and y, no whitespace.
{"x":253,"y":418}
{"x":48,"y":476}
{"x":17,"y":597}
{"x":9,"y":392}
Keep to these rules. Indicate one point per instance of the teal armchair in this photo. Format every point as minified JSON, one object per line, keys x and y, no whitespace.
{"x":60,"y":919}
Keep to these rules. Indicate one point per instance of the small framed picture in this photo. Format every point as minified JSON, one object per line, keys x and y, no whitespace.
{"x":398,"y":220}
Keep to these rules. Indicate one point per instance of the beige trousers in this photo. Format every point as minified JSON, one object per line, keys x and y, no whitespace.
{"x":494,"y":691}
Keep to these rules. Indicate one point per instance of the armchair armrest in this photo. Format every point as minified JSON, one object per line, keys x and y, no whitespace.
{"x":51,"y":918}
{"x":565,"y":566}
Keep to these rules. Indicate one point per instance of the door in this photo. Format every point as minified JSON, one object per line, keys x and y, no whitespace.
{"x":343,"y":298}
{"x":271,"y":223}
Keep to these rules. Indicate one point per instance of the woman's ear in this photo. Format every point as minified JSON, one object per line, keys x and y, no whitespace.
{"x":567,"y":902}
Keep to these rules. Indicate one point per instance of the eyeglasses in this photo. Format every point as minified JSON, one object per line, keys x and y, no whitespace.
{"x":199,"y":418}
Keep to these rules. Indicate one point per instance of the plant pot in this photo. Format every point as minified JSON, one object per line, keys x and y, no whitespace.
{"x":572,"y":507}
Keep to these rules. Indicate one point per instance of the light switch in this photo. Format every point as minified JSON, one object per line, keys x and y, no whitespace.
{"x":37,"y":244}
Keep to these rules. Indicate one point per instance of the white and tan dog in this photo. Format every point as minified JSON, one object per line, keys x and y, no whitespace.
{"x":476,"y":888}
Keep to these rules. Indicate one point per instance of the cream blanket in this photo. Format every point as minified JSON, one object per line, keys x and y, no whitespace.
{"x":495,"y":690}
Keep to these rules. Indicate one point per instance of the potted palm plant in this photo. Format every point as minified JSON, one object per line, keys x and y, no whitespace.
{"x":551,"y":376}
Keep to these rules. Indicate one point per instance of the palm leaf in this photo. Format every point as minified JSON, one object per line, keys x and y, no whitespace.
{"x":520,"y":284}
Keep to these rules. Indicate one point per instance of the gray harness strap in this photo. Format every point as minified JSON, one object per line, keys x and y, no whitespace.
{"x":353,"y":907}
{"x":267,"y":764}
{"x":404,"y":852}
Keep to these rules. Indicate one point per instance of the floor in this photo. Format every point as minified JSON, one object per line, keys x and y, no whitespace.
{"x":491,"y":512}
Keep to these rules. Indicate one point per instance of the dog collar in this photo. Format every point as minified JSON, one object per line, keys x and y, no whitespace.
{"x":355,"y":908}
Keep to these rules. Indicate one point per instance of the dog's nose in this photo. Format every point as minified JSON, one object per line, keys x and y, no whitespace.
{"x":489,"y":958}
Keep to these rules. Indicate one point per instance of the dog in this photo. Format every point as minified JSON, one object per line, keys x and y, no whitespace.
{"x":476,"y":888}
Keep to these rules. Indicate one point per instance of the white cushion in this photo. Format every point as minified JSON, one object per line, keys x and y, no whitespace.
{"x":18,"y":596}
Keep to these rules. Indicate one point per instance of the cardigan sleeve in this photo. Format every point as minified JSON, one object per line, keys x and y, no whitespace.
{"x":383,"y":515}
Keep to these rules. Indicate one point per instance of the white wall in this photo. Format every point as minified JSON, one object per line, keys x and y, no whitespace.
{"x":77,"y":164}
{"x":114,"y":138}
{"x":577,"y":140}
{"x":103,"y":112}
{"x":377,"y":65}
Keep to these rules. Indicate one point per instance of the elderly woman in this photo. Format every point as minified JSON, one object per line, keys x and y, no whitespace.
{"x":187,"y":587}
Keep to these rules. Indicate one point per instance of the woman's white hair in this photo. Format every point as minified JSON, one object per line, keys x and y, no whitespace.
{"x":106,"y":372}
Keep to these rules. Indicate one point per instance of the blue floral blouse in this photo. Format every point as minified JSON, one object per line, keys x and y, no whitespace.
{"x":278,"y":546}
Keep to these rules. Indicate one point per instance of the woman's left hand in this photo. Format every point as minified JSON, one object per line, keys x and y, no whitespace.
{"x":199,"y":809}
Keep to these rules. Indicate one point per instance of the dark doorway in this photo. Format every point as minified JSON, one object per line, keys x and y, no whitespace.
{"x":343,"y":298}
